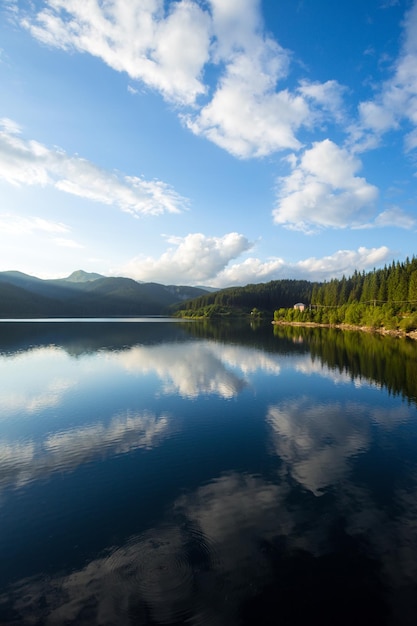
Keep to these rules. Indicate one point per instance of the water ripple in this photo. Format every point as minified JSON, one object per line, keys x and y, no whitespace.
{"x":173,"y":571}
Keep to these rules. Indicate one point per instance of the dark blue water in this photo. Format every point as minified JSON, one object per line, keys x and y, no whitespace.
{"x":185,"y":473}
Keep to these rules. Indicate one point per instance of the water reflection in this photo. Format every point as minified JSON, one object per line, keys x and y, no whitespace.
{"x":317,"y":367}
{"x":317,"y":440}
{"x":178,"y":476}
{"x":191,"y":369}
{"x":33,"y":381}
{"x":21,"y":463}
{"x":385,"y":361}
{"x":240,"y":548}
{"x":195,"y":570}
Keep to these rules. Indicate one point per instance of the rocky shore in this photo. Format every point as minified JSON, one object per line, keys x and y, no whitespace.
{"x":367,"y":329}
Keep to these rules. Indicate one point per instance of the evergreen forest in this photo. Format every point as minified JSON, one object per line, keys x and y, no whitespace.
{"x":259,"y":299}
{"x":382,"y":298}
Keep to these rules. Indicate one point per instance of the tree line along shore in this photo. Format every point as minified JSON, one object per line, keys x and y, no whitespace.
{"x":382,"y":300}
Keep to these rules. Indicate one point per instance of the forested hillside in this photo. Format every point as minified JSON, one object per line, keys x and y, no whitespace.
{"x":264,"y":297}
{"x":382,"y":298}
{"x":86,"y":295}
{"x":396,"y":283}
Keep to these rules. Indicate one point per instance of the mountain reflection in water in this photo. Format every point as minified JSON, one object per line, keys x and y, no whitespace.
{"x":201,"y":474}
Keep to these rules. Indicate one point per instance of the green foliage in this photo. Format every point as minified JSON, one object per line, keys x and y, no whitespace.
{"x":395,"y":284}
{"x":265,"y":297}
{"x":353,"y":314}
{"x":385,"y":360}
{"x":409,"y":323}
{"x":384,"y":298}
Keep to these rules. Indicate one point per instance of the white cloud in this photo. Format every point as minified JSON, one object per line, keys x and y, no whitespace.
{"x":376,"y":117}
{"x":192,"y":259}
{"x":395,"y":216}
{"x":11,"y":224}
{"x":10,"y":126}
{"x":342,"y":262}
{"x":28,"y":162}
{"x":323,"y":191}
{"x":411,"y":140}
{"x":251,"y":270}
{"x":328,"y":96}
{"x":396,"y":101}
{"x":167,"y":51}
{"x":246,"y":115}
{"x":244,"y":112}
{"x":250,"y":124}
{"x":198,"y":259}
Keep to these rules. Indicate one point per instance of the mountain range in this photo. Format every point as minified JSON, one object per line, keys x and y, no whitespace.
{"x":85,"y":294}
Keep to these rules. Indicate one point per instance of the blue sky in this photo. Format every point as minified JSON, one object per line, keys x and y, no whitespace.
{"x":207,"y":142}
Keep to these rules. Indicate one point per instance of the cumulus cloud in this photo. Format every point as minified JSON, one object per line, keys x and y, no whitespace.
{"x":198,"y":259}
{"x":247,"y":116}
{"x":341,"y":262}
{"x":251,"y":270}
{"x":396,"y":101}
{"x":324,"y":191}
{"x":190,"y":259}
{"x":246,"y":123}
{"x":28,"y":162}
{"x":328,"y":96}
{"x":165,"y":49}
{"x":170,"y":46}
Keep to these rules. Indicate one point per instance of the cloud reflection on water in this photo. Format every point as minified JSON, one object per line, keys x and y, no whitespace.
{"x":195,"y":368}
{"x":221,"y":542}
{"x":21,"y":463}
{"x":316,"y":440}
{"x":34,"y":381}
{"x":195,"y":567}
{"x":197,"y":563}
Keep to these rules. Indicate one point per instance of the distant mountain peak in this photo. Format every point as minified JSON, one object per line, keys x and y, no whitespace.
{"x":79,"y":276}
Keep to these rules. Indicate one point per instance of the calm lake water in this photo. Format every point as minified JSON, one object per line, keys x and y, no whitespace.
{"x":184,"y":473}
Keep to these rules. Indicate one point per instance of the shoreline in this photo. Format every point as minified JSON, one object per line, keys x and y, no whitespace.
{"x":367,"y":329}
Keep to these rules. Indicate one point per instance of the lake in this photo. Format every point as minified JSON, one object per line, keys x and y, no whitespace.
{"x":158,"y":472}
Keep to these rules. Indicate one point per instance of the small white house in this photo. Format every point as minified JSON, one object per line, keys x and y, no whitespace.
{"x":300,"y":306}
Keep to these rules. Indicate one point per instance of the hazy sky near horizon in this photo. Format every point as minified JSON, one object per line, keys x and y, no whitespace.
{"x":207,"y":142}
